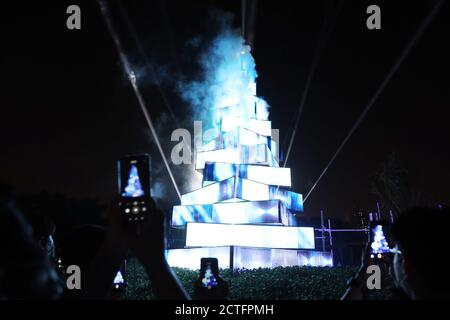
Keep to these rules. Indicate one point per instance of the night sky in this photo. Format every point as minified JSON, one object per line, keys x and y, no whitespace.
{"x":67,"y":111}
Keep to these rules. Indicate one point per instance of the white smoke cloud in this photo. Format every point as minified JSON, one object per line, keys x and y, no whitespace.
{"x":228,"y":72}
{"x":228,"y":76}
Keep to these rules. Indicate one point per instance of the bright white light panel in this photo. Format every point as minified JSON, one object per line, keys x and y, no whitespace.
{"x":293,"y":201}
{"x":261,"y":109}
{"x":276,"y":176}
{"x":249,"y":258}
{"x":226,"y":190}
{"x":246,"y":212}
{"x":190,"y":258}
{"x":261,"y":127}
{"x":252,"y":258}
{"x":243,"y":189}
{"x":244,"y":137}
{"x":258,"y":236}
{"x":256,"y":109}
{"x":256,"y":154}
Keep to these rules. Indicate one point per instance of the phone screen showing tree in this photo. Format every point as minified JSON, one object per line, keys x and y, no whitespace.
{"x":209,"y":280}
{"x":379,"y":242}
{"x":135,"y":177}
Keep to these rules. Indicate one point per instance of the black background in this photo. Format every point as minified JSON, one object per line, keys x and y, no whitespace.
{"x":68,"y":113}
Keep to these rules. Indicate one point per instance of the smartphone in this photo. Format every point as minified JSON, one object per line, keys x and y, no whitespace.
{"x":134,"y":176}
{"x":119,"y":282}
{"x":379,"y":244}
{"x":209,"y":272}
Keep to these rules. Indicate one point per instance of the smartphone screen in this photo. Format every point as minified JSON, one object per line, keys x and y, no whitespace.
{"x":119,"y":280}
{"x":209,"y":272}
{"x":134,"y":187}
{"x":379,"y":243}
{"x":209,"y":280}
{"x":134,"y":177}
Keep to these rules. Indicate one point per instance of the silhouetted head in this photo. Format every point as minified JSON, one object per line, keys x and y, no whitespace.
{"x":421,"y":238}
{"x":25,"y":272}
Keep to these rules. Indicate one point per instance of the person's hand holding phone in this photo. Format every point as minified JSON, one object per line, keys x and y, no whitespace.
{"x":357,"y":289}
{"x":116,"y":231}
{"x":147,"y":240}
{"x":138,"y":224}
{"x":366,"y":261}
{"x":142,"y":239}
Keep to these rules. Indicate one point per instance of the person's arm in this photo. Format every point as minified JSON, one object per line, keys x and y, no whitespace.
{"x":98,"y":279}
{"x":148,"y":245}
{"x":357,"y":286}
{"x":147,"y":242}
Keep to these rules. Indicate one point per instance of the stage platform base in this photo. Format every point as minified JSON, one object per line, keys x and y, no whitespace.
{"x":248,"y":258}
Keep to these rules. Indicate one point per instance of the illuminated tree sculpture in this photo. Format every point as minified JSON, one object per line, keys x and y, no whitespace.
{"x":244,"y":209}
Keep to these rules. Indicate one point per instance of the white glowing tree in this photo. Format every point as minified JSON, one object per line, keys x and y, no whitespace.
{"x":244,"y":201}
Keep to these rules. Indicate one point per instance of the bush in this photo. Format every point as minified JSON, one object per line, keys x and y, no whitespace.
{"x":282,"y":283}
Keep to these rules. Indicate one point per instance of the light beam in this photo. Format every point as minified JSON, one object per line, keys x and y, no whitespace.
{"x":131,"y":76}
{"x":374,"y":98}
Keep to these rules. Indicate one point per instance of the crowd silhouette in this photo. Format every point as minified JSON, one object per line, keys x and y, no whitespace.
{"x":31,"y":264}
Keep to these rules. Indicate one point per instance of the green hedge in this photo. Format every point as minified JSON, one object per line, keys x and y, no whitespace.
{"x":302,"y":283}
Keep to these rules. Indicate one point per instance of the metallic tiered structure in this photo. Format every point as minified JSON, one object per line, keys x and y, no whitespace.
{"x":244,"y":213}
